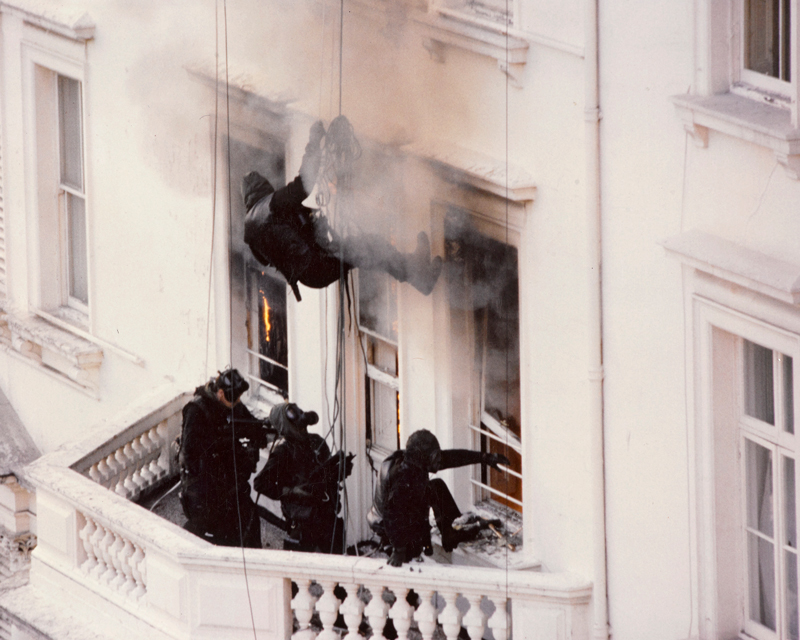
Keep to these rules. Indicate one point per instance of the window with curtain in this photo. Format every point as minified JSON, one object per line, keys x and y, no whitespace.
{"x":770,"y":522}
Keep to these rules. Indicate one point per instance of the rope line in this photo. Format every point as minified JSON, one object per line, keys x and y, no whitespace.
{"x":230,"y":313}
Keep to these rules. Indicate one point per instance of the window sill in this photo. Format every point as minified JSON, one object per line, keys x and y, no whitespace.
{"x":750,"y":120}
{"x":54,"y":348}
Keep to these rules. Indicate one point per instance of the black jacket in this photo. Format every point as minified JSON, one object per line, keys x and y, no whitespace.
{"x":215,"y":441}
{"x":281,"y":232}
{"x":400,"y":508}
{"x":302,"y":474}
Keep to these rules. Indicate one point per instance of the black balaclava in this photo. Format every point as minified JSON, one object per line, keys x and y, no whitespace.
{"x":254,"y":187}
{"x":423,"y":450}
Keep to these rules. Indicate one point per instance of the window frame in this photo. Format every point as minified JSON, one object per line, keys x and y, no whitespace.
{"x":49,"y":278}
{"x":781,"y":445}
{"x":493,"y":228}
{"x":722,"y":562}
{"x":375,"y":375}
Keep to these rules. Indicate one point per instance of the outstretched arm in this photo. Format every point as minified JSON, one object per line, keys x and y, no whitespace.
{"x":452,"y":458}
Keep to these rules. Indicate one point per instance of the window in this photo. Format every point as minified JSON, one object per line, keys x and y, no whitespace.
{"x":769,"y":489}
{"x":377,"y":321}
{"x":484,"y":301}
{"x":259,"y":302}
{"x":767,"y":37}
{"x":765,"y":58}
{"x":64,"y":286}
{"x":71,"y":192}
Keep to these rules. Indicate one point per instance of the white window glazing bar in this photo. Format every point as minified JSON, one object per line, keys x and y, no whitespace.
{"x":378,"y":375}
{"x":268,"y":360}
{"x":505,"y":496}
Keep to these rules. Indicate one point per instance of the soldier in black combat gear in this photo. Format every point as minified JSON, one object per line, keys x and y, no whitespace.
{"x":306,"y":478}
{"x":283,"y":233}
{"x":404,"y":495}
{"x":220,"y":445}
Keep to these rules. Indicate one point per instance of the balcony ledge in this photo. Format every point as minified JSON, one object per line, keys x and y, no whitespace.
{"x":744,"y":118}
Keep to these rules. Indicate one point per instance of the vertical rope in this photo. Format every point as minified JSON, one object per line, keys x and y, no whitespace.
{"x":341,"y":49}
{"x":230,"y":312}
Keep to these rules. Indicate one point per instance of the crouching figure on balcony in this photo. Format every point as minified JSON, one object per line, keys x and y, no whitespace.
{"x":220,"y":445}
{"x":306,"y":478}
{"x":404,"y":496}
{"x":283,"y":233}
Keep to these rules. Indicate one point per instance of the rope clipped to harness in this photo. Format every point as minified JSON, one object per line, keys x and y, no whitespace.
{"x":339,"y":154}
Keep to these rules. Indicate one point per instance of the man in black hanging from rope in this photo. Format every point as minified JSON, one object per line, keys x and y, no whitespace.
{"x":220,"y":444}
{"x":306,"y":478}
{"x":283,"y":233}
{"x":404,"y":495}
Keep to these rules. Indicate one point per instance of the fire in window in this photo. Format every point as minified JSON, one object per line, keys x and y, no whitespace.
{"x":267,"y":344}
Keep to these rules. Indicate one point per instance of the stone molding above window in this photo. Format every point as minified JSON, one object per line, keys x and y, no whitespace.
{"x":447,"y":28}
{"x":734,"y":263}
{"x":54,"y":348}
{"x":750,"y":120}
{"x":75,"y":24}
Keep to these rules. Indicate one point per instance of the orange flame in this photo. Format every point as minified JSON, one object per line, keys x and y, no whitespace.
{"x":267,"y":324}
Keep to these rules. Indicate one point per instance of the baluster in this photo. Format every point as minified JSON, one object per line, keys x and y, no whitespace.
{"x":134,"y":477}
{"x":450,"y":617}
{"x":498,"y":623}
{"x":352,"y":609}
{"x":105,"y":472}
{"x":377,"y":611}
{"x":137,"y":563}
{"x":115,"y":551}
{"x":475,"y":619}
{"x":155,"y":445}
{"x":303,"y":608}
{"x":113,"y":473}
{"x":85,"y":535}
{"x":128,"y":583}
{"x":96,"y":540}
{"x":125,"y":484}
{"x":163,"y":460}
{"x":140,"y":451}
{"x":401,"y":613}
{"x":426,"y":615}
{"x":108,"y":573}
{"x":94,"y":473}
{"x":328,"y":608}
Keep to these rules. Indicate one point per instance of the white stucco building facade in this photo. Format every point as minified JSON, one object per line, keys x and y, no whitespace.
{"x":614,"y":189}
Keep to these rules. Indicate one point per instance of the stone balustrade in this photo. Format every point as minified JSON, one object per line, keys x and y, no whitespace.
{"x":98,"y":549}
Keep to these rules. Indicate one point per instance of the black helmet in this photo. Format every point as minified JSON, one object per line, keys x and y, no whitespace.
{"x":232,"y":384}
{"x":254,"y":187}
{"x":423,"y":450}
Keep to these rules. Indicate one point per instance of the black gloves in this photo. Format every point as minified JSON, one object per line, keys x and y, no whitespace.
{"x":494,"y":459}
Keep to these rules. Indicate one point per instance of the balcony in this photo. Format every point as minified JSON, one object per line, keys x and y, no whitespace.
{"x":97,"y":548}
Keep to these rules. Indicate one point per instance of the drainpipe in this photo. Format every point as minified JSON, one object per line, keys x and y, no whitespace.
{"x":600,"y":628}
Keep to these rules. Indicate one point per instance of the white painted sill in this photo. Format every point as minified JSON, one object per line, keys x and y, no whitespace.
{"x":56,"y":350}
{"x":744,"y":118}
